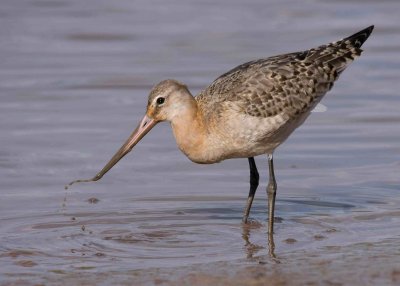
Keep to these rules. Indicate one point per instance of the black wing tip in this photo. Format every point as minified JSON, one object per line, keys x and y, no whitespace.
{"x":360,"y":37}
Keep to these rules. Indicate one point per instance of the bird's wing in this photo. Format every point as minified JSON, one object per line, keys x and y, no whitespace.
{"x":290,"y":83}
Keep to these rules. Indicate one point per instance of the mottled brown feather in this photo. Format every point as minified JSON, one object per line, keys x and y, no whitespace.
{"x":289,"y":84}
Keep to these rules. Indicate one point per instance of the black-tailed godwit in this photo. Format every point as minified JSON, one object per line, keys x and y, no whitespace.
{"x":248,"y":111}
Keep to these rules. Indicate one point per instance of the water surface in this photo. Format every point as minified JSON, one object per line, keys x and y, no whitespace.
{"x":74,"y":79}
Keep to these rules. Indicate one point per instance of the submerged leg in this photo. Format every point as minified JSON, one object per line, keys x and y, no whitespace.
{"x":271,"y":192}
{"x":254,"y":178}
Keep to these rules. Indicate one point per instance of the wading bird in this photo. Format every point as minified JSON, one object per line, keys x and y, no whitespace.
{"x":248,"y":111}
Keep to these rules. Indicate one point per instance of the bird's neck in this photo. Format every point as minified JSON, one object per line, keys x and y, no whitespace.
{"x":189,"y":131}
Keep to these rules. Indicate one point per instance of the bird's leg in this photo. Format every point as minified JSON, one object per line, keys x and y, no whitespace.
{"x":271,"y":192}
{"x":254,"y":178}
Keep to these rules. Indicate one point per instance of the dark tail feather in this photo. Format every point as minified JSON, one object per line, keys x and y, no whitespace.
{"x":339,"y":54}
{"x":358,"y":39}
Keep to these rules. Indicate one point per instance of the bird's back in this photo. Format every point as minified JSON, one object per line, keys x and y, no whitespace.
{"x":289,"y":84}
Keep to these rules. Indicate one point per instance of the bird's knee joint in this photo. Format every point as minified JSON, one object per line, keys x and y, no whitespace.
{"x":271,"y":189}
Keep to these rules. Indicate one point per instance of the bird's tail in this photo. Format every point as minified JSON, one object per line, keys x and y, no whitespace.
{"x":339,"y":54}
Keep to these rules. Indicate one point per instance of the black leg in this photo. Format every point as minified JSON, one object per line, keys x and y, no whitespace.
{"x":271,"y":192}
{"x":254,"y":178}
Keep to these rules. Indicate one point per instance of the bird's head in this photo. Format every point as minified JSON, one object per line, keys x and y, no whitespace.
{"x":167,"y":101}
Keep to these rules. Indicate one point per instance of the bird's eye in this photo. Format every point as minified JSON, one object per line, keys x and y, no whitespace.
{"x":160,"y":100}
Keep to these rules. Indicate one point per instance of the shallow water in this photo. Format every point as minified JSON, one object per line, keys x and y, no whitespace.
{"x":74,"y":82}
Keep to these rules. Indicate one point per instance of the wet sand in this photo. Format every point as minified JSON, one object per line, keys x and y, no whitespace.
{"x":74,"y":82}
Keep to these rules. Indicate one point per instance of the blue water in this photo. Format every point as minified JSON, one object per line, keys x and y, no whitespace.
{"x":74,"y":80}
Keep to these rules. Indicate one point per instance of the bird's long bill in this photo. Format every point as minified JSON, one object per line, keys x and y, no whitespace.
{"x":141,"y":130}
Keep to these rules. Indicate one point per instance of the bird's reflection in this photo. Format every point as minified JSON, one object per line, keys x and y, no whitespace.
{"x":251,"y":248}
